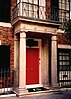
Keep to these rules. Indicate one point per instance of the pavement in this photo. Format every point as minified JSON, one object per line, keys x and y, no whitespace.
{"x":63,"y":93}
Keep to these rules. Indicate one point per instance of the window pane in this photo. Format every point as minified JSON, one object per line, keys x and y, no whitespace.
{"x":35,"y":1}
{"x":42,"y":2}
{"x":24,"y":0}
{"x":65,"y":53}
{"x":25,"y":9}
{"x":60,"y":57}
{"x":60,"y":53}
{"x":31,"y":1}
{"x":60,"y":63}
{"x":65,"y":57}
{"x":64,"y":63}
{"x":61,"y":68}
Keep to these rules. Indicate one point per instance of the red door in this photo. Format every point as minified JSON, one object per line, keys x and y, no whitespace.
{"x":32,"y":66}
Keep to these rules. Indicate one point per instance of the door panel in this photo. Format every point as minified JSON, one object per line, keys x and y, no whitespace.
{"x":32,"y":68}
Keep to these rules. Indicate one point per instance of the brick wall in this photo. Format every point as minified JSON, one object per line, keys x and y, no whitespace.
{"x":48,"y":9}
{"x":6,"y":37}
{"x":63,"y":39}
{"x":13,"y":4}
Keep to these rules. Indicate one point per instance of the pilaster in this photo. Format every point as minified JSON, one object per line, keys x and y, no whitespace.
{"x":16,"y":60}
{"x":54,"y":60}
{"x":22,"y":64}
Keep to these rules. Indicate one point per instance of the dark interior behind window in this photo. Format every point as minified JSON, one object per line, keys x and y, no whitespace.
{"x":4,"y":57}
{"x":5,"y":10}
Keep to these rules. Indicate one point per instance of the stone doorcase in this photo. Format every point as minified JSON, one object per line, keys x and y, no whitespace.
{"x":46,"y":37}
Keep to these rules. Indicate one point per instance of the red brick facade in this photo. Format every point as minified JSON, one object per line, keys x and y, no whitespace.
{"x":63,"y":39}
{"x":13,"y":4}
{"x":48,"y":9}
{"x":6,"y":37}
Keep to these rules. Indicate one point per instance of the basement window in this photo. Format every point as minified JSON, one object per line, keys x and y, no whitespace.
{"x":4,"y":10}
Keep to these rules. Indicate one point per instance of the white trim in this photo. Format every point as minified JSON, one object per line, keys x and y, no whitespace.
{"x":42,"y":3}
{"x":5,"y":90}
{"x":4,"y":24}
{"x":39,"y":61}
{"x":34,"y":86}
{"x":64,"y":46}
{"x":0,"y":42}
{"x":39,"y":46}
{"x":8,"y":95}
{"x":18,"y":1}
{"x":60,"y":31}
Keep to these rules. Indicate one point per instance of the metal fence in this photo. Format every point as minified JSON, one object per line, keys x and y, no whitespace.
{"x":65,"y":78}
{"x":6,"y":81}
{"x":29,"y":10}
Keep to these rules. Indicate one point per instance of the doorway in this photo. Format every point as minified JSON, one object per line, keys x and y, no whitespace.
{"x":32,"y":66}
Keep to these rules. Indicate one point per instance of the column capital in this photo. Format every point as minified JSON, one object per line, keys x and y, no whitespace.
{"x":15,"y":38}
{"x":54,"y":38}
{"x":22,"y":35}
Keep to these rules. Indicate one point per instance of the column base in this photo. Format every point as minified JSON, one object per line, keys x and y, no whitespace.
{"x":55,"y":86}
{"x":20,"y":91}
{"x":46,"y":86}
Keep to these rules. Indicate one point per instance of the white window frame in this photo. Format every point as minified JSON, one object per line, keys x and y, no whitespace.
{"x":41,"y":9}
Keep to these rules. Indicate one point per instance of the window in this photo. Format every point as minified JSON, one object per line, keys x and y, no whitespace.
{"x":64,"y":12}
{"x":5,"y":10}
{"x":34,"y":8}
{"x":4,"y":57}
{"x":64,"y":60}
{"x":54,"y":10}
{"x":64,"y":67}
{"x":60,"y":10}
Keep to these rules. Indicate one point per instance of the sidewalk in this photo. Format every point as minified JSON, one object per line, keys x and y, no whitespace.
{"x":35,"y":95}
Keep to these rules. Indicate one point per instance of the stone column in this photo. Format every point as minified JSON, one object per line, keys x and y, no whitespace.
{"x":54,"y":60}
{"x":22,"y":64}
{"x":16,"y":51}
{"x":16,"y":60}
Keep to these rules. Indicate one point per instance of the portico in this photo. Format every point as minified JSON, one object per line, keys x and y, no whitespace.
{"x":42,"y":35}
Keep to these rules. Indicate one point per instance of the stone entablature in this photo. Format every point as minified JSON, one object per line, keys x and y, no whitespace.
{"x":32,"y":27}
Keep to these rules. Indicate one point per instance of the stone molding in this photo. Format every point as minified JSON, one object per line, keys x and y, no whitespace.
{"x":5,"y":24}
{"x":34,"y":28}
{"x":64,"y":46}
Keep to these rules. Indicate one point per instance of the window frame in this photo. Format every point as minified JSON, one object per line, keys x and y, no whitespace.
{"x":64,"y":67}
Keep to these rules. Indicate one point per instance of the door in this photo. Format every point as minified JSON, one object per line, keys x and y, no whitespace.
{"x":64,"y":67}
{"x":32,"y":66}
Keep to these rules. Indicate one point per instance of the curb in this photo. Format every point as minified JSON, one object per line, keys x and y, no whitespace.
{"x":65,"y":89}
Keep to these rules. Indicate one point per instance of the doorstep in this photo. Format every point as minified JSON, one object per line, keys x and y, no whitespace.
{"x":58,"y":90}
{"x":38,"y":92}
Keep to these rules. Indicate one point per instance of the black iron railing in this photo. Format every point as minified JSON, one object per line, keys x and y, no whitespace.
{"x":65,"y":78}
{"x":6,"y":80}
{"x":34,"y":11}
{"x":29,"y":10}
